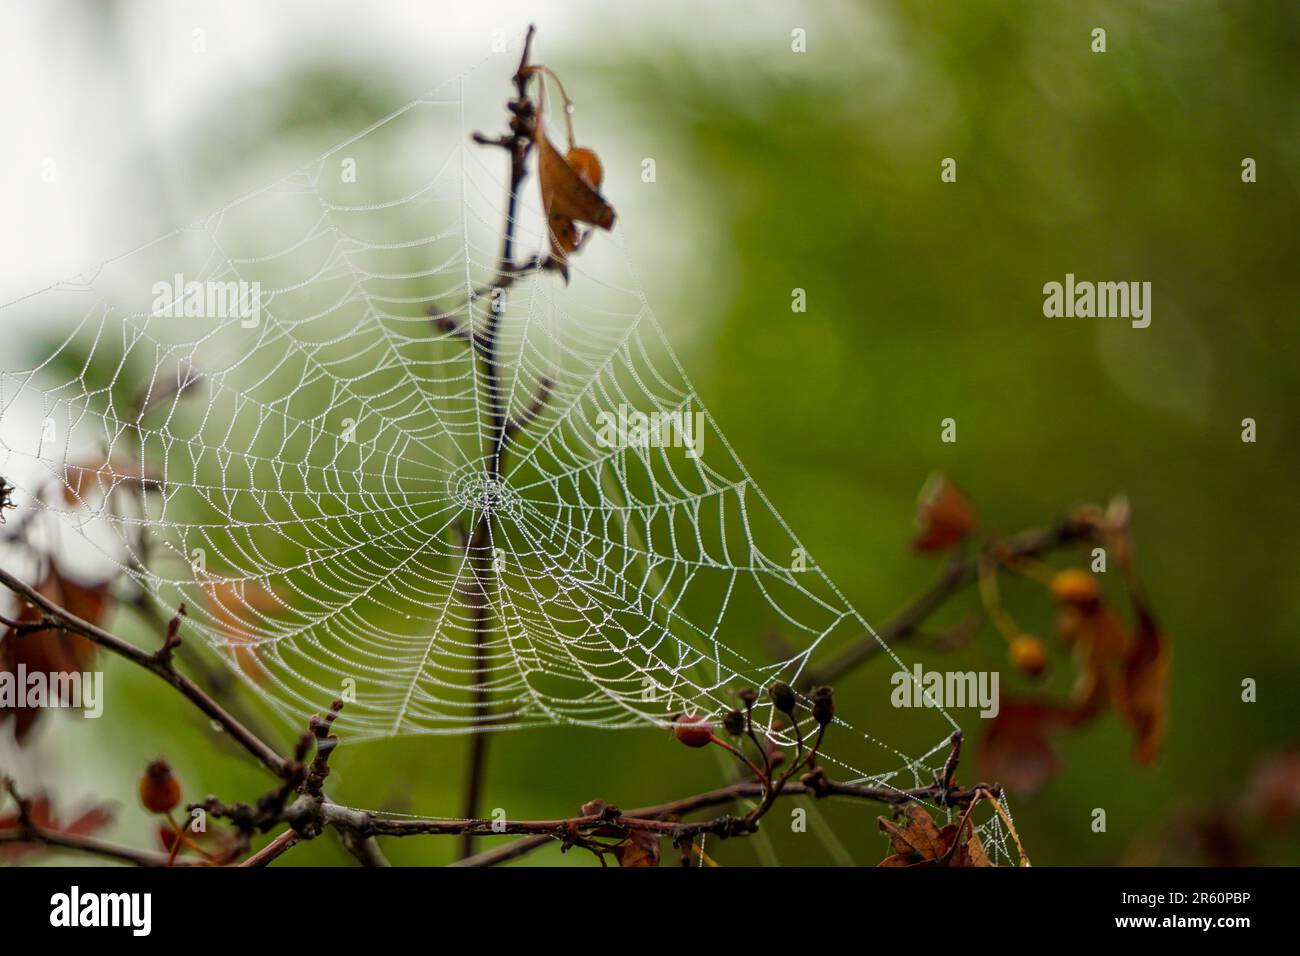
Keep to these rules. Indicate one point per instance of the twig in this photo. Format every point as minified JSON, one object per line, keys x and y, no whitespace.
{"x":56,"y":617}
{"x":950,"y":765}
{"x":91,"y":845}
{"x":172,"y":640}
{"x":273,"y":850}
{"x":29,"y":831}
{"x":646,"y":818}
{"x":518,"y":143}
{"x":955,"y":576}
{"x":518,"y":423}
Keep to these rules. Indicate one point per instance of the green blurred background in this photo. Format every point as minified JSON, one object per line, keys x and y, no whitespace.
{"x":821,"y":171}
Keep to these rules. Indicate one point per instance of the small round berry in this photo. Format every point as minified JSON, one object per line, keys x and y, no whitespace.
{"x":693,"y":731}
{"x":734,"y":723}
{"x":1028,"y":654}
{"x":160,"y":791}
{"x":1076,"y":588}
{"x":586,"y":164}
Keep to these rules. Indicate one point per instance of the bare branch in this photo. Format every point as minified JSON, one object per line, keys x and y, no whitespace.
{"x":29,"y":831}
{"x":57,"y":617}
{"x":273,"y":850}
{"x":956,"y":575}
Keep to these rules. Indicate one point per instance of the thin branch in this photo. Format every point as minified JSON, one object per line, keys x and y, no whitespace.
{"x":273,"y":850}
{"x":364,"y":848}
{"x":518,"y":423}
{"x":950,"y":765}
{"x":518,"y":143}
{"x":647,"y":818}
{"x":504,"y":853}
{"x":91,"y":845}
{"x":956,"y":575}
{"x":28,"y":831}
{"x":59,"y":618}
{"x":815,"y":784}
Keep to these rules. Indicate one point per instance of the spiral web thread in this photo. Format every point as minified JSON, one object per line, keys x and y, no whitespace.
{"x":311,"y":476}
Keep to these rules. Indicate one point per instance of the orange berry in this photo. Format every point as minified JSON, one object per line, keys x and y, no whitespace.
{"x":160,"y":791}
{"x":1028,"y":654}
{"x":587,"y":165}
{"x":1075,"y":587}
{"x":693,"y":731}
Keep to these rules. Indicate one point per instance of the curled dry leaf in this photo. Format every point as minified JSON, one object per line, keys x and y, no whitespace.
{"x":917,"y":841}
{"x":51,"y":652}
{"x":41,"y":812}
{"x":1101,"y":648}
{"x":570,"y":195}
{"x":917,"y":836}
{"x":1274,"y":792}
{"x":944,"y":517}
{"x":1017,"y":748}
{"x":640,"y":849}
{"x":967,"y":851}
{"x":1141,"y":691}
{"x":1111,"y":666}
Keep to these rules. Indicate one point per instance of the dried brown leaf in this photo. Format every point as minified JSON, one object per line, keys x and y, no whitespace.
{"x":640,"y":849}
{"x":570,"y":195}
{"x":944,"y":516}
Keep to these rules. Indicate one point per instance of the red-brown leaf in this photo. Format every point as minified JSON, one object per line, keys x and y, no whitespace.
{"x":51,"y":652}
{"x":944,"y":516}
{"x":1140,"y":693}
{"x":640,"y":849}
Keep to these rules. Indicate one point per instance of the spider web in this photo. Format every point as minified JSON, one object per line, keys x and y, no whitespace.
{"x":312,"y":476}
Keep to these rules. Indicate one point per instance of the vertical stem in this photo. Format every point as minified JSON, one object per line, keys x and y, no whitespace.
{"x":519,"y":143}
